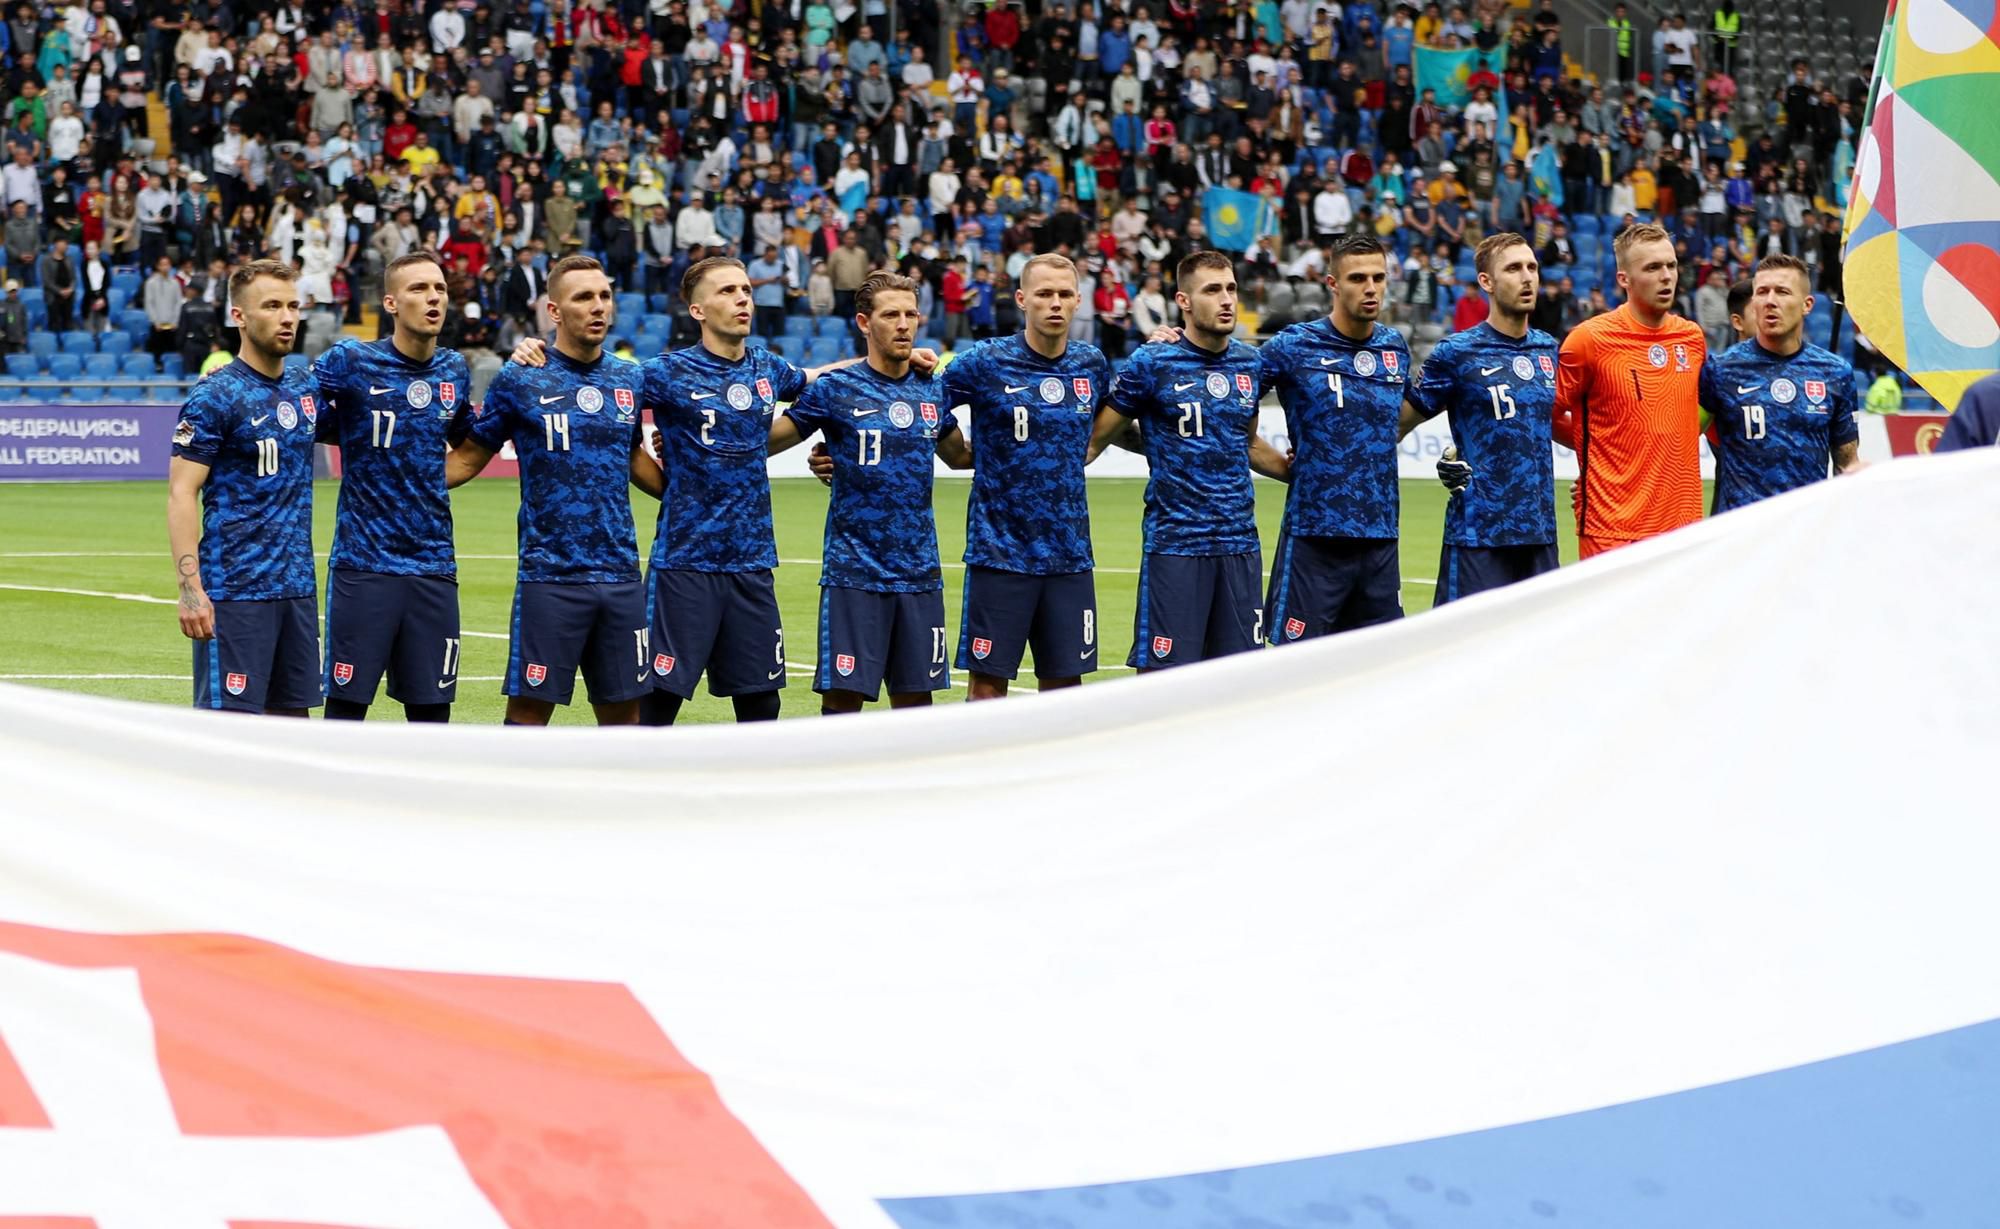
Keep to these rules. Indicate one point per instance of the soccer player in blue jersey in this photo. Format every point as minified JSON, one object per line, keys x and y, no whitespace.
{"x":1342,"y":381}
{"x":1034,"y":402}
{"x":1201,"y":582}
{"x":392,"y":583}
{"x":1781,"y":408}
{"x":574,"y":424}
{"x":711,"y":596}
{"x":1497,"y":381}
{"x":881,"y":605}
{"x":239,"y":511}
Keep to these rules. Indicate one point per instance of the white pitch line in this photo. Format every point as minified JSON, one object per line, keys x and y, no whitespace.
{"x":163,"y":678}
{"x":121,"y":597}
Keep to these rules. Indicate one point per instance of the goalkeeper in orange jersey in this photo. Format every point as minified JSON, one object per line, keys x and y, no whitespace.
{"x":1628,"y":401}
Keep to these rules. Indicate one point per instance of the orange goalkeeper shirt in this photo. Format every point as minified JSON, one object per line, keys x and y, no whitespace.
{"x":1628,"y":400}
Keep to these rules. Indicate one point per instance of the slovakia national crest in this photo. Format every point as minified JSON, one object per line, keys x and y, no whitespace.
{"x":307,"y":408}
{"x":930,"y":412}
{"x":1162,"y":645}
{"x":1294,"y":628}
{"x":1815,"y":391}
{"x":447,"y":393}
{"x":663,"y":665}
{"x":343,"y":672}
{"x":235,"y":684}
{"x":1548,"y":365}
{"x":1390,"y":362}
{"x":1245,"y":385}
{"x":981,"y":647}
{"x":844,"y":663}
{"x":622,"y":395}
{"x":764,"y":389}
{"x":1082,"y":386}
{"x":537,"y":674}
{"x":1681,"y":359}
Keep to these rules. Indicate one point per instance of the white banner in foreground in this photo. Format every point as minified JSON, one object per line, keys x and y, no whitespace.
{"x":1173,"y":950}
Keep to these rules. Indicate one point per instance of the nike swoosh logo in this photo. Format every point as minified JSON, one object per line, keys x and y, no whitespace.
{"x":258,"y":422}
{"x":866,"y":413}
{"x":1748,"y":388}
{"x":938,"y":671}
{"x":775,"y":673}
{"x":1017,"y":388}
{"x":1085,"y":655}
{"x":557,"y":397}
{"x":450,"y":682}
{"x":1487,"y":371}
{"x":1183,"y":385}
{"x":1328,"y":362}
{"x":376,"y":392}
{"x":700,"y":396}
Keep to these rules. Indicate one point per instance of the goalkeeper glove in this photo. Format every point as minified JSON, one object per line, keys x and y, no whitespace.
{"x":1454,"y":473}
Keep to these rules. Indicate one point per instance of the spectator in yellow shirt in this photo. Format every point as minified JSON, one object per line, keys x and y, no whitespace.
{"x":421,"y":156}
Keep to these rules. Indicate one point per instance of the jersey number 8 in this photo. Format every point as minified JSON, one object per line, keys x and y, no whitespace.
{"x":1020,"y":422}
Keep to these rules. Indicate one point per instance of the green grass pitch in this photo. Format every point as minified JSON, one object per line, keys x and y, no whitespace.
{"x":79,"y":563}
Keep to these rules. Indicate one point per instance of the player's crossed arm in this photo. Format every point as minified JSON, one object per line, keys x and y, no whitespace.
{"x":533,"y":352}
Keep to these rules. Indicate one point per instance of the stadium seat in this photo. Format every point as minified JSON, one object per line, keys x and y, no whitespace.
{"x":170,"y":364}
{"x":833,"y":326}
{"x":1587,"y":224}
{"x":783,"y":346}
{"x":31,"y":296}
{"x":45,"y":390}
{"x":1589,"y":249}
{"x":825,"y":350}
{"x":799,"y":326}
{"x":138,"y":367}
{"x":754,"y":342}
{"x":646,"y":345}
{"x":42,"y":344}
{"x":65,"y":366}
{"x":78,"y":341}
{"x":115,"y":343}
{"x":85,"y":393}
{"x":631,"y":307}
{"x":125,"y":281}
{"x":22,"y":366}
{"x":134,"y":324}
{"x":116,"y":298}
{"x":658,"y":324}
{"x":101,"y":366}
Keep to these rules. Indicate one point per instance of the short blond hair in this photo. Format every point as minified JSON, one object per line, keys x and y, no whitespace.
{"x":1048,"y":260}
{"x":1638,"y":233}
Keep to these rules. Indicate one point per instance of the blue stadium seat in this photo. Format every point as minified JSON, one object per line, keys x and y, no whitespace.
{"x":1587,"y":224}
{"x":126,"y":280}
{"x":65,"y":366}
{"x":45,"y":390}
{"x":86,"y":393}
{"x":658,"y":323}
{"x":646,"y":345}
{"x":784,"y":347}
{"x":42,"y":344}
{"x":631,"y":307}
{"x":1589,"y":248}
{"x":32,"y":296}
{"x":170,"y":364}
{"x":22,"y":366}
{"x":102,"y":366}
{"x":834,"y":326}
{"x":133,"y":323}
{"x":827,"y":350}
{"x":115,"y":343}
{"x":116,"y":300}
{"x":78,"y":341}
{"x":756,"y":343}
{"x":799,"y":326}
{"x":138,"y":367}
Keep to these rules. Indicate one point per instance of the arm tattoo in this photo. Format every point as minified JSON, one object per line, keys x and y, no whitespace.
{"x":191,"y":597}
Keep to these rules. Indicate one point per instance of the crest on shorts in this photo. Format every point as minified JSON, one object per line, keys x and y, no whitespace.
{"x":844,"y":663}
{"x":1162,"y":645}
{"x":1218,"y":384}
{"x":930,"y":412}
{"x":1783,"y":391}
{"x":308,"y":409}
{"x":1390,"y":361}
{"x":900,"y":414}
{"x":1294,"y":628}
{"x":1245,"y":385}
{"x":1548,"y":365}
{"x":663,"y":664}
{"x":1524,"y":367}
{"x":1051,"y":390}
{"x":1364,"y":362}
{"x":537,"y":674}
{"x":589,"y":400}
{"x":447,"y":393}
{"x":764,"y":389}
{"x":1082,"y":386}
{"x":1657,"y":355}
{"x":235,"y":684}
{"x":739,"y":396}
{"x":343,"y":672}
{"x":287,"y":416}
{"x":981,"y":647}
{"x":418,"y":394}
{"x":1815,"y":391}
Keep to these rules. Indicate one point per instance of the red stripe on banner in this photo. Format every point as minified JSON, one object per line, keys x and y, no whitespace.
{"x":564,"y":1099}
{"x":1913,"y":435}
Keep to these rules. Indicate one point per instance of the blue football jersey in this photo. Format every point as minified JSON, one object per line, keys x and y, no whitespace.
{"x":882,"y":435}
{"x":1343,"y":399}
{"x":1777,"y":418}
{"x":255,"y":434}
{"x":1501,"y":395}
{"x":389,"y":414}
{"x":573,"y":426}
{"x":714,"y":417}
{"x":1030,"y":427}
{"x":1199,"y":410}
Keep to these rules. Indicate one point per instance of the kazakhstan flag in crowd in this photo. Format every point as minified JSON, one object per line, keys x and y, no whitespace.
{"x":1231,"y":218}
{"x":1922,"y":275}
{"x":1447,"y":72}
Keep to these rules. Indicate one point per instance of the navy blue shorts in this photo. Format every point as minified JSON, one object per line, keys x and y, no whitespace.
{"x":1323,"y":585}
{"x":1466,"y":570}
{"x":559,"y":629}
{"x":1192,"y":608}
{"x":265,"y":655}
{"x":404,"y":625}
{"x":868,"y":639}
{"x":724,"y":623}
{"x":1008,"y":613}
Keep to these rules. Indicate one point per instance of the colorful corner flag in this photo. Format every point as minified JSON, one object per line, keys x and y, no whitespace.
{"x":1922,"y":275}
{"x":1231,"y":218}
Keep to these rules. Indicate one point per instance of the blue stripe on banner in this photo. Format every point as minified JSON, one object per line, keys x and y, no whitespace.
{"x":1902,"y":1136}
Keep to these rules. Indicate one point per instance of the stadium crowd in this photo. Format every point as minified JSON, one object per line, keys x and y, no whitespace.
{"x":823,"y":141}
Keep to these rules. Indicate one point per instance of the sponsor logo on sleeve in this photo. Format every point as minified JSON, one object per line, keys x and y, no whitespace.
{"x":343,"y":672}
{"x":183,"y":433}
